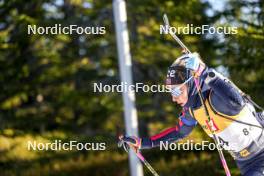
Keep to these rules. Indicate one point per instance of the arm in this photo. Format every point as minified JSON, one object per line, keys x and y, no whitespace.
{"x":224,"y":89}
{"x":181,"y":130}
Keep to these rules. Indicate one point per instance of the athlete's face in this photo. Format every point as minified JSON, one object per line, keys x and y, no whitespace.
{"x":183,"y":97}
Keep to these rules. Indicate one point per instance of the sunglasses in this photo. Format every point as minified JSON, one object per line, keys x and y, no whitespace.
{"x":176,"y":91}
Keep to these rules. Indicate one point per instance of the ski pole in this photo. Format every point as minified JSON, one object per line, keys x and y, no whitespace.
{"x":146,"y":163}
{"x":139,"y":155}
{"x":210,"y":122}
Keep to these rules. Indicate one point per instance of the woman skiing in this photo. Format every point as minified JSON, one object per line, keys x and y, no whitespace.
{"x":209,"y":99}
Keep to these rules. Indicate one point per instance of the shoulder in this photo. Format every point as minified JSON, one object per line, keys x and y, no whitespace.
{"x":220,"y":105}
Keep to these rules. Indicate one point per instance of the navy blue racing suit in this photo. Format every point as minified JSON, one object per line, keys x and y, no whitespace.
{"x":225,"y":103}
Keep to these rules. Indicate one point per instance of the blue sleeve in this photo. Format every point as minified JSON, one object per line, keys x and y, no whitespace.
{"x":181,"y":130}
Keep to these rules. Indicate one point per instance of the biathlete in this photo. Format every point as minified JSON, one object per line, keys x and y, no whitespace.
{"x":237,"y":126}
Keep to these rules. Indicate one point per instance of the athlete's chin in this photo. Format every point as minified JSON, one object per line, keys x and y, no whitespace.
{"x":181,"y":103}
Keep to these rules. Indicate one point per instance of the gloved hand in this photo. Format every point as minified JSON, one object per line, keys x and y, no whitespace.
{"x":129,"y":141}
{"x":195,"y":63}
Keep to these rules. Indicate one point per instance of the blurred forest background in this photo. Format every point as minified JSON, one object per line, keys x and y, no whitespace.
{"x":47,"y":80}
